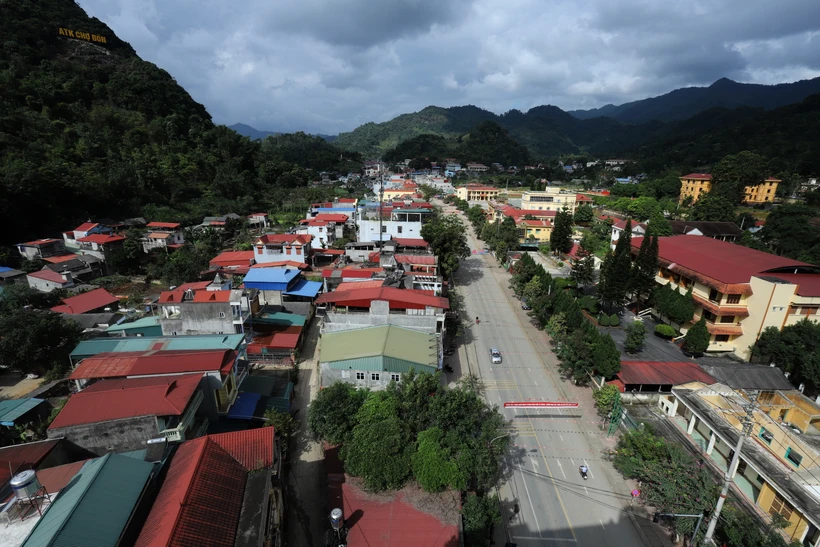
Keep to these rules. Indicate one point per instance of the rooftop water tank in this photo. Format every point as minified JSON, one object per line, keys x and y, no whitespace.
{"x":25,"y":484}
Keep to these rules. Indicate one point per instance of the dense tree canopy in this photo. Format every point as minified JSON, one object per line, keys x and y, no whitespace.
{"x":447,"y":237}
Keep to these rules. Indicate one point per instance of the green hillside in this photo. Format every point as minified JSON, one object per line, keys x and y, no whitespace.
{"x":88,"y":129}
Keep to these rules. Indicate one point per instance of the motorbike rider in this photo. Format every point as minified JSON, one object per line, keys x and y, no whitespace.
{"x":584,"y":469}
{"x":477,"y":321}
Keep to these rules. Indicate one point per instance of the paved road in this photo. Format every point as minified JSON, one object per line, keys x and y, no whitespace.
{"x":557,"y":507}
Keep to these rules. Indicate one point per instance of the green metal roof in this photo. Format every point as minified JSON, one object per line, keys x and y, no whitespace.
{"x":94,"y":346}
{"x":94,"y":508}
{"x":145,"y":322}
{"x":281,"y":318}
{"x":375,"y":348}
{"x":12,"y":409}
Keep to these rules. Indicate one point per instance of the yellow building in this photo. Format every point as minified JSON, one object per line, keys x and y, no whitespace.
{"x":534,"y":231}
{"x":738,"y":290}
{"x":550,"y":199}
{"x":761,"y":193}
{"x":693,"y":185}
{"x":779,"y":466}
{"x":476,"y":192}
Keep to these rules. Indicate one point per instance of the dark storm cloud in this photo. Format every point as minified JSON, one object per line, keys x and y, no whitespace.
{"x":330,"y":65}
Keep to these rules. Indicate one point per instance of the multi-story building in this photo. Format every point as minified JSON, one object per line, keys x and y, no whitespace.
{"x":476,"y":192}
{"x":693,"y":185}
{"x":280,"y":247}
{"x":41,"y":248}
{"x":72,"y":237}
{"x":220,"y":311}
{"x":738,"y":290}
{"x":761,"y":193}
{"x":778,"y":469}
{"x":401,"y":223}
{"x":534,"y":231}
{"x":163,"y":235}
{"x":552,"y":198}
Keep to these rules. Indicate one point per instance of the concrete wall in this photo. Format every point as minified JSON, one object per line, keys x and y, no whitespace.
{"x":369,"y":229}
{"x":44,"y":285}
{"x":115,"y":435}
{"x":331,"y":376}
{"x":336,"y":322}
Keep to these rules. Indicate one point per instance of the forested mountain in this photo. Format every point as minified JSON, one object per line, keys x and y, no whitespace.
{"x":255,"y":134}
{"x":687,"y":102}
{"x":88,"y":129}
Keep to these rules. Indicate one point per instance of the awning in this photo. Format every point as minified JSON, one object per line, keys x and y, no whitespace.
{"x":244,"y":408}
{"x":305,"y":288}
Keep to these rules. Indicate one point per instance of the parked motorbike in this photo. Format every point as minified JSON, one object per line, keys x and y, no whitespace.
{"x":448,"y":368}
{"x":449,"y":352}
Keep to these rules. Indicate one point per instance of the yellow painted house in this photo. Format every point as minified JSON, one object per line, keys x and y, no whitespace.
{"x":693,"y":185}
{"x":761,"y":193}
{"x":534,"y":231}
{"x":779,"y":466}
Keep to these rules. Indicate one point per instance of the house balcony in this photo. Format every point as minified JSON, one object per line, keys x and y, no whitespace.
{"x":181,"y":424}
{"x":737,"y":310}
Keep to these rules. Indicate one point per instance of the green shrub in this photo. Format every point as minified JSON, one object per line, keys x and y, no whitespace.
{"x":614,"y":320}
{"x":588,"y":303}
{"x":603,"y":320}
{"x":560,"y":264}
{"x":665,"y":330}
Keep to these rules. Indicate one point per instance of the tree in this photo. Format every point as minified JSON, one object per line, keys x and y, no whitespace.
{"x":658,"y":225}
{"x":283,"y":424}
{"x":448,"y":240}
{"x":378,"y":450}
{"x":128,"y":259}
{"x":697,"y":338}
{"x":606,"y":398}
{"x":584,"y":214}
{"x":635,"y":337}
{"x":436,"y":465}
{"x":561,"y":235}
{"x":713,"y":207}
{"x":583,"y":268}
{"x":734,"y":173}
{"x":36,"y":341}
{"x":480,"y":514}
{"x":332,"y":414}
{"x":642,"y":278}
{"x":615,"y":270}
{"x":606,"y":356}
{"x":790,"y":230}
{"x":533,"y":289}
{"x":795,"y":349}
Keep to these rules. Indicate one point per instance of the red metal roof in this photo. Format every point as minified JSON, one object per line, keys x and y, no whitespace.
{"x":721,"y":261}
{"x":411,"y":242}
{"x":87,"y":301}
{"x":58,"y":259}
{"x":286,"y":338}
{"x":48,"y":275}
{"x":808,"y":284}
{"x":56,"y":478}
{"x":147,"y":363}
{"x":353,"y":272}
{"x":517,"y":214}
{"x":212,"y":296}
{"x":347,"y":200}
{"x":200,"y":501}
{"x":352,"y":285}
{"x":14,"y":459}
{"x":662,"y":373}
{"x":158,"y":235}
{"x":171,"y":225}
{"x":109,"y":400}
{"x":281,"y":264}
{"x":39,"y":242}
{"x":194,"y":286}
{"x":398,"y":298}
{"x":297,"y":239}
{"x":253,"y":448}
{"x":582,"y":197}
{"x":427,"y":260}
{"x":257,"y":215}
{"x":331,"y":217}
{"x":101,"y":239}
{"x":85,"y":226}
{"x":171,"y":297}
{"x":535,"y":223}
{"x":698,"y":176}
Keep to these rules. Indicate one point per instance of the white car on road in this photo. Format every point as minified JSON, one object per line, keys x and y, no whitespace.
{"x":495,"y":355}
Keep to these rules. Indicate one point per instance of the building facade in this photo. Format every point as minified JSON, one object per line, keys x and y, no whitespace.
{"x":534,"y":231}
{"x":761,"y":193}
{"x":280,"y":247}
{"x":476,"y":192}
{"x":552,"y":198}
{"x":402,"y":223}
{"x":694,"y":185}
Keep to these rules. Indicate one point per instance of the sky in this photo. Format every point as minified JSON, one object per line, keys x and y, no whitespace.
{"x":326,"y":66}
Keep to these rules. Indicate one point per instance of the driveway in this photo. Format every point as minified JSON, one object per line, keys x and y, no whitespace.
{"x":549,"y":264}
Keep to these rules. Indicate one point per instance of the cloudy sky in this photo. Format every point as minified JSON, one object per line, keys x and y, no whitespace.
{"x":327,"y":66}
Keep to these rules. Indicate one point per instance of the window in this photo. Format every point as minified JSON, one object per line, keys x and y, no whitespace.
{"x":793,"y":310}
{"x":709,"y":316}
{"x":793,"y":457}
{"x":395,"y":377}
{"x":398,"y":229}
{"x":174,"y":333}
{"x":809,"y":310}
{"x":287,"y":250}
{"x":765,"y":435}
{"x":374,"y":376}
{"x":222,"y":314}
{"x":384,"y":229}
{"x":727,"y":319}
{"x":721,"y":338}
{"x":733,"y":299}
{"x":781,"y":507}
{"x":714,"y":296}
{"x":360,"y":375}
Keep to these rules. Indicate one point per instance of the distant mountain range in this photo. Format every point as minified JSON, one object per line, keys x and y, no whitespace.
{"x":686,"y":102}
{"x":547,"y":131}
{"x":256,"y":134}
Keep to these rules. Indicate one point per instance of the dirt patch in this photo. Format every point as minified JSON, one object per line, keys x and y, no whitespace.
{"x":21,"y":388}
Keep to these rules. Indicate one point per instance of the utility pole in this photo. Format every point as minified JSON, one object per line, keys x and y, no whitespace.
{"x":381,"y":201}
{"x":747,"y":428}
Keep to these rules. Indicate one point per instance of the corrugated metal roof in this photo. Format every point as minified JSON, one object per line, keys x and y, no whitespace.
{"x":12,"y":409}
{"x":398,"y":298}
{"x":23,"y":456}
{"x":383,"y":341}
{"x":306,"y":288}
{"x":118,"y":365}
{"x":145,"y":322}
{"x":94,"y":508}
{"x":127,"y":398}
{"x":281,"y":318}
{"x":252,"y":448}
{"x":145,"y":343}
{"x":271,"y":275}
{"x":87,"y":301}
{"x":662,"y":373}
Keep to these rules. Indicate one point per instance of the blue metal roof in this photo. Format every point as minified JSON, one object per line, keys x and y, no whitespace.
{"x":270,"y":275}
{"x":145,"y":322}
{"x":303,"y":287}
{"x":4,"y":269}
{"x":244,"y":407}
{"x":13,"y":409}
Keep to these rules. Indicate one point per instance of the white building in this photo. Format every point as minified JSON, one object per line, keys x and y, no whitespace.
{"x":402,"y":223}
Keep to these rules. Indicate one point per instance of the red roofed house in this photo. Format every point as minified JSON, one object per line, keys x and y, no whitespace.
{"x":534,"y":231}
{"x":740,"y":291}
{"x":41,"y":248}
{"x":36,"y":455}
{"x":220,"y":372}
{"x":658,"y":376}
{"x":47,"y":280}
{"x":216,"y":309}
{"x":88,"y":302}
{"x":233,"y":261}
{"x":500,"y":211}
{"x":258,"y":220}
{"x":638,"y":230}
{"x":220,"y":490}
{"x":360,"y":307}
{"x":583,"y":199}
{"x":279,"y":247}
{"x":72,"y":238}
{"x":322,"y":232}
{"x":131,"y":411}
{"x":163,"y":235}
